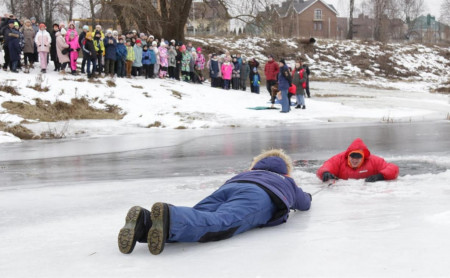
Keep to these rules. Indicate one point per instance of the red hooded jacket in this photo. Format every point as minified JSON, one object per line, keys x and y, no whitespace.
{"x":338,"y":165}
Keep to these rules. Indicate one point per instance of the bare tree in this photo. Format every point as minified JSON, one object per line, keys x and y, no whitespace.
{"x":254,"y":12}
{"x":162,"y":18}
{"x":350,"y":23}
{"x":380,"y":10}
{"x":445,"y":16}
{"x":43,"y":10}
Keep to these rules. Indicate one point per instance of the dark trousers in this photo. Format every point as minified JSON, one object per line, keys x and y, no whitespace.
{"x":7,"y":58}
{"x":177,"y":71}
{"x":226,"y":84}
{"x":269,"y":84}
{"x":28,"y":57}
{"x":63,"y":65}
{"x":83,"y":63}
{"x":252,"y":88}
{"x":136,"y":71}
{"x":307,"y":88}
{"x":120,"y":68}
{"x":94,"y":65}
{"x":99,"y":63}
{"x":214,"y":82}
{"x":109,"y":66}
{"x":149,"y":70}
{"x":171,"y":72}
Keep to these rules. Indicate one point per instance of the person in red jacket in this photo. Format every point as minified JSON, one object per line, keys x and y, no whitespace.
{"x":357,"y":163}
{"x":271,"y":70}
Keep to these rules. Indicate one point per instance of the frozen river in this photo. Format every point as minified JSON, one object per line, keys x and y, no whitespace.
{"x":63,"y":202}
{"x":193,"y":153}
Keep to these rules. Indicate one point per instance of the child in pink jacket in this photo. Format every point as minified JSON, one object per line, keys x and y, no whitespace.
{"x":227,"y":70}
{"x":74,"y":48}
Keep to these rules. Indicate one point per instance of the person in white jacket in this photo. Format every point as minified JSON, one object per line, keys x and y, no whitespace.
{"x":43,"y":41}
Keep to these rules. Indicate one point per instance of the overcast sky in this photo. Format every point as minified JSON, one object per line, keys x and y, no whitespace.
{"x":431,"y":6}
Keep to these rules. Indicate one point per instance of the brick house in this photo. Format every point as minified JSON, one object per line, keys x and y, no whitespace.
{"x":305,"y":18}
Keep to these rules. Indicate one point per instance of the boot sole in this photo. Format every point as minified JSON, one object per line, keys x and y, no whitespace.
{"x":127,"y":235}
{"x":156,"y":236}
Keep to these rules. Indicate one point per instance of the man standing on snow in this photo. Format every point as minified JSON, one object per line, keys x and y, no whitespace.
{"x":357,"y":163}
{"x":261,"y":196}
{"x":271,"y":70}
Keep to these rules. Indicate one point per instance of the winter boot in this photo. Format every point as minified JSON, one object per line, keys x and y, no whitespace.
{"x":137,"y":224}
{"x":159,"y":231}
{"x":304,"y":107}
{"x":298,"y":106}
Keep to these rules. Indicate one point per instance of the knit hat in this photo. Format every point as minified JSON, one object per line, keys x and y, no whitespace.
{"x":42,"y":25}
{"x":109,"y":31}
{"x":199,"y":49}
{"x":138,"y":41}
{"x":283,"y":61}
{"x":62,"y":25}
{"x":11,"y":21}
{"x":163,"y":44}
{"x":183,"y":48}
{"x":63,"y":31}
{"x":32,"y":18}
{"x":115,"y":33}
{"x":85,"y":27}
{"x":98,"y":26}
{"x":16,"y":23}
{"x":89,"y":36}
{"x":154,"y":43}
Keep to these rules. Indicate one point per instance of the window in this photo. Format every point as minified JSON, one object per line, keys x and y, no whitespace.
{"x":317,"y":26}
{"x":317,"y":14}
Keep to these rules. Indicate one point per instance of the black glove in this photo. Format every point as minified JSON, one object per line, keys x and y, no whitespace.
{"x":374,"y":178}
{"x":328,"y":176}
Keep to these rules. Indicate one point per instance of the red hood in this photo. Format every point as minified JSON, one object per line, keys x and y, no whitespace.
{"x":358,"y":144}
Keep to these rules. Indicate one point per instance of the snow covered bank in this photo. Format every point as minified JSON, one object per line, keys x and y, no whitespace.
{"x":400,"y":95}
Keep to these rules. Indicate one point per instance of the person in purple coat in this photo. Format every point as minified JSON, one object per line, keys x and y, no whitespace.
{"x":261,"y":196}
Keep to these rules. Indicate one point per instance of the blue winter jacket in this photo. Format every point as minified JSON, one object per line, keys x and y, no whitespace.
{"x":110,"y":48}
{"x":214,"y":70}
{"x":284,"y":79}
{"x":152,"y":56}
{"x":121,"y":52}
{"x":270,"y":173}
{"x":146,"y":57}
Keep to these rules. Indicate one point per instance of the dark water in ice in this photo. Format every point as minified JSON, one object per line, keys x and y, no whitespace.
{"x":414,"y":147}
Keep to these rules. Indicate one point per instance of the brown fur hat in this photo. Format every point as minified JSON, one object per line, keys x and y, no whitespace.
{"x":274,"y":152}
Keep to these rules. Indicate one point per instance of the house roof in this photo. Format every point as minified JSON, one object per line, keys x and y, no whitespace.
{"x":299,"y":6}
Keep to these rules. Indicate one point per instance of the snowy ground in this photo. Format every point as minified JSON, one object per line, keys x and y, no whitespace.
{"x":182,"y":105}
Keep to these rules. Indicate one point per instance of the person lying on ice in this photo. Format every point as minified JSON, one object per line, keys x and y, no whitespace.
{"x":357,"y":163}
{"x":261,"y":196}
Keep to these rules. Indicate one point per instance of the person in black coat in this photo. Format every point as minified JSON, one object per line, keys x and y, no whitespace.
{"x":178,"y":59}
{"x":53,"y":54}
{"x":80,"y":42}
{"x":308,"y":72}
{"x":6,"y":28}
{"x":90,"y":53}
